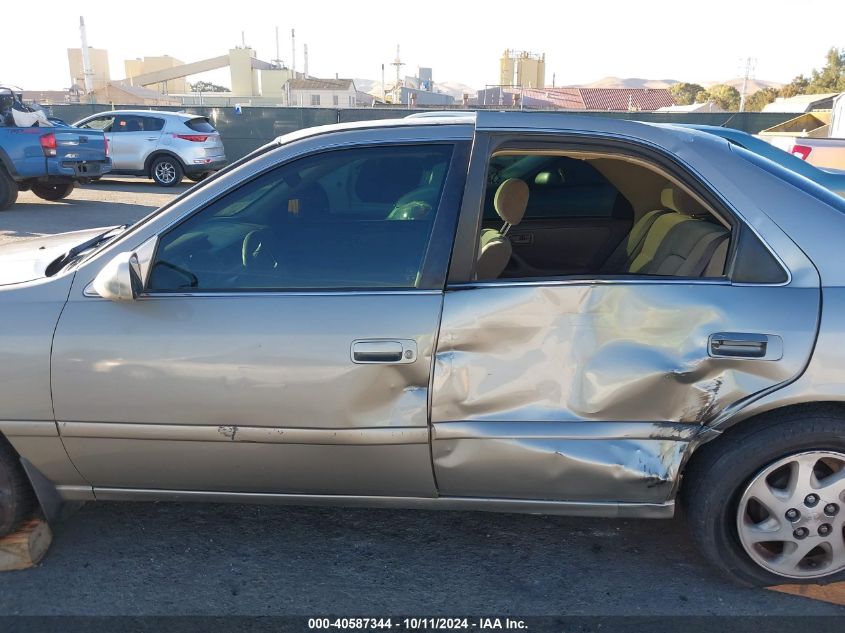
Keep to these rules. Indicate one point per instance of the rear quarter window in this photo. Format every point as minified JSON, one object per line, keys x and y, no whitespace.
{"x":200,"y":125}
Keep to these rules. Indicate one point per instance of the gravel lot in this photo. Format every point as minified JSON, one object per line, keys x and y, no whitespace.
{"x":142,"y":559}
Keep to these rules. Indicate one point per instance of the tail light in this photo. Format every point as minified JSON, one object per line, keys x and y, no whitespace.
{"x":196,"y":138}
{"x":48,"y":144}
{"x":801,"y":151}
{"x":106,"y":139}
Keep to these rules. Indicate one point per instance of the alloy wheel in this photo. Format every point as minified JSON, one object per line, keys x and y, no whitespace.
{"x":791,"y":517}
{"x":165,"y":172}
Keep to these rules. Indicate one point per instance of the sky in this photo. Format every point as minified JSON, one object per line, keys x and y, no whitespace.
{"x":461,"y":41}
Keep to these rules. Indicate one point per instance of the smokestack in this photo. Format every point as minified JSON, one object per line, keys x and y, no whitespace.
{"x":305,"y":63}
{"x":87,"y":72}
{"x":293,"y":53}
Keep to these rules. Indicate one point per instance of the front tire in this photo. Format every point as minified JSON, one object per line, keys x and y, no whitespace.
{"x":53,"y":192}
{"x":8,"y":190}
{"x":16,"y":498}
{"x":766,"y":502}
{"x":166,"y":171}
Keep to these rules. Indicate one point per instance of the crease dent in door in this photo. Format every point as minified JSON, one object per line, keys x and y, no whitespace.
{"x":593,"y":391}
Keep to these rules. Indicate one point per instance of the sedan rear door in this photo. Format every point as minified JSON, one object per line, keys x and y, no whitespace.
{"x":588,"y":388}
{"x":134,"y":139}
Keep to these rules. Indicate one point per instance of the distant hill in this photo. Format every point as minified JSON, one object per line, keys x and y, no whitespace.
{"x":636,"y":82}
{"x":753,"y":84}
{"x":629,"y":82}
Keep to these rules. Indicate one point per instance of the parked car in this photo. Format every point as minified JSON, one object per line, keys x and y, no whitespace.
{"x":833,"y":180}
{"x":47,"y":160}
{"x":164,"y":146}
{"x":518,"y":312}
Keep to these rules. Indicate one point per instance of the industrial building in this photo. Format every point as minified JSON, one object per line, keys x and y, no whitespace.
{"x":522,"y":69}
{"x":99,"y":59}
{"x":142,"y":66}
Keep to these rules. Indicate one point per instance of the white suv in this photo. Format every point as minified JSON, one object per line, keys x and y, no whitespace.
{"x":162,"y":145}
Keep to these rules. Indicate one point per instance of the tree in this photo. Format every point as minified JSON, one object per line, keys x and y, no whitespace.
{"x":725,"y":96}
{"x":207,"y":86}
{"x":757,"y":101}
{"x":831,"y":78}
{"x":798,"y":86}
{"x":685,"y":93}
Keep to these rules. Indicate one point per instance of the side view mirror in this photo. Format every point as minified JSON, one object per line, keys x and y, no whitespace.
{"x":120,"y":279}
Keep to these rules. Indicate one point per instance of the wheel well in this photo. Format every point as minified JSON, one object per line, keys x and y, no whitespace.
{"x":151,"y":159}
{"x":740,"y":430}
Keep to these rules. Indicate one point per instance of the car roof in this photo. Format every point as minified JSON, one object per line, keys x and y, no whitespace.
{"x":181,"y":115}
{"x":487,"y":120}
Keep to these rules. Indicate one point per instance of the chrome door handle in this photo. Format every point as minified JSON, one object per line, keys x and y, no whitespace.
{"x":745,"y":345}
{"x":391,"y":351}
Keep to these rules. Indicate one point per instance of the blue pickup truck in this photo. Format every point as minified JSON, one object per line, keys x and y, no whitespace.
{"x":47,"y":160}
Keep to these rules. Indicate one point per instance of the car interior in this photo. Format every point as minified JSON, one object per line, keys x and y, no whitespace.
{"x":588,"y":214}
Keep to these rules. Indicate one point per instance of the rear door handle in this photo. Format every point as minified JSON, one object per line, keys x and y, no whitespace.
{"x":745,"y":345}
{"x":384,"y":351}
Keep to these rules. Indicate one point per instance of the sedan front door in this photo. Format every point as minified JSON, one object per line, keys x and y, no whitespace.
{"x":284,"y":338}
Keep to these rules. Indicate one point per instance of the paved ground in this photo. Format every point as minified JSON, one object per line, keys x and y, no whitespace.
{"x":265,"y":560}
{"x":203,"y":559}
{"x":108,"y":202}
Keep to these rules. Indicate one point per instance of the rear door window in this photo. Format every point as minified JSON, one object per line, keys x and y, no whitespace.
{"x":152,"y":124}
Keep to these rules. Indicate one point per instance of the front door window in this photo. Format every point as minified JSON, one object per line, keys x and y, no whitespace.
{"x":356,"y":218}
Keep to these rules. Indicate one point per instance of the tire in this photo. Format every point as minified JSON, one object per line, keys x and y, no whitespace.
{"x":197,"y":177}
{"x":16,"y":497}
{"x":166,"y":171}
{"x":8,"y":190}
{"x":58,"y":191}
{"x":724,"y":479}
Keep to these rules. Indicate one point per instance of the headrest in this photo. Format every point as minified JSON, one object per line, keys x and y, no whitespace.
{"x":548,"y":178}
{"x":511,"y":200}
{"x":678,"y":200}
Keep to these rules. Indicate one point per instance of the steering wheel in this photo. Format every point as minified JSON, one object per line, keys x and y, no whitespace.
{"x":259,"y":250}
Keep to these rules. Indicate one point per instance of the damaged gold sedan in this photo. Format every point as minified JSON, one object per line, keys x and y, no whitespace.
{"x":509,"y":312}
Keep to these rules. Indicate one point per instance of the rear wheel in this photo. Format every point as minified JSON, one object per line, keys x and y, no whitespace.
{"x":197,"y":177}
{"x":16,"y":498}
{"x":766,"y":504}
{"x":166,"y":171}
{"x":8,"y":190}
{"x":53,"y":191}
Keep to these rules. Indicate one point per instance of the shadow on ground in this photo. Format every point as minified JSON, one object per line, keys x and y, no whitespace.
{"x":204,"y":559}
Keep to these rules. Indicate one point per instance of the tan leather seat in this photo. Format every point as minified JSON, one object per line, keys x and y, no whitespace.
{"x":494,"y":250}
{"x":677,"y":240}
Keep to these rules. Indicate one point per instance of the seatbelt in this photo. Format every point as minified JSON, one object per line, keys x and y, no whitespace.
{"x":707,"y":255}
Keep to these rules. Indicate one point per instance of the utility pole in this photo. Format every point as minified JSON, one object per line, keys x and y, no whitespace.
{"x":293,"y":53}
{"x":397,"y":89}
{"x":750,"y":63}
{"x":87,"y":72}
